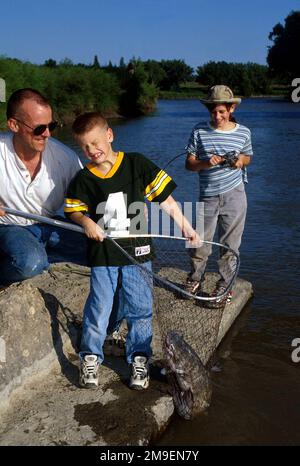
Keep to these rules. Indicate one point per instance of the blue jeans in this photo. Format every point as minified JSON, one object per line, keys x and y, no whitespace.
{"x":132,"y":286}
{"x":227,"y":213}
{"x":22,"y":251}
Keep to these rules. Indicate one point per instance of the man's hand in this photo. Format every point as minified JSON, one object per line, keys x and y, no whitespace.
{"x":2,"y":212}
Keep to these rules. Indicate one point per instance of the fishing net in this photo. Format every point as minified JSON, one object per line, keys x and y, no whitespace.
{"x":196,"y":318}
{"x":173,"y":308}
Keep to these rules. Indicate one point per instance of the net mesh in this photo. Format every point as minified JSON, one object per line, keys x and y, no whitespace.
{"x":173,"y":308}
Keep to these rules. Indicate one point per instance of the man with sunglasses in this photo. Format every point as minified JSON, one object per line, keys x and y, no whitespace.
{"x":35,"y":171}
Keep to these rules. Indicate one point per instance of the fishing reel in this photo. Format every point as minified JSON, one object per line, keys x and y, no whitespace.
{"x":230,"y":158}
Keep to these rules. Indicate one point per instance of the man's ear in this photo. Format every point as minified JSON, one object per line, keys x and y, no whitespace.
{"x":13,"y":125}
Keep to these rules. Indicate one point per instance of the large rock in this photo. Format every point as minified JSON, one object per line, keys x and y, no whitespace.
{"x":40,"y":327}
{"x":37,"y":318}
{"x":40,"y":316}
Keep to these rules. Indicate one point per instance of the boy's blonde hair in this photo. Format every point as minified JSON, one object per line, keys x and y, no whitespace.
{"x":87,"y":121}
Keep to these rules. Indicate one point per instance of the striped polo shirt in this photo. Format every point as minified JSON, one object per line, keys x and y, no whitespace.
{"x":206,"y":141}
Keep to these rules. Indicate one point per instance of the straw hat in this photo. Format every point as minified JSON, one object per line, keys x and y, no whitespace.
{"x":221,"y":95}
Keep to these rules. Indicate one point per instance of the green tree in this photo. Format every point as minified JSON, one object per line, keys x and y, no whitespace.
{"x":50,"y":63}
{"x":122,"y":63}
{"x":283,"y":54}
{"x":243,"y":78}
{"x":96,"y":63}
{"x":155,"y":72}
{"x":177,"y":71}
{"x":138,"y":95}
{"x":66,"y":62}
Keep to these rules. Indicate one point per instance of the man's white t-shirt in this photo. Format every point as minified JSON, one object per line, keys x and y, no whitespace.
{"x":45,"y":194}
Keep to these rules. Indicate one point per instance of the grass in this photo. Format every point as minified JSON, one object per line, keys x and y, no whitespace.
{"x":193,"y":90}
{"x":190,"y":90}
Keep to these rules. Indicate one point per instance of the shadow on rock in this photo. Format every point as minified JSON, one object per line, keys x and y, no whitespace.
{"x":63,"y":319}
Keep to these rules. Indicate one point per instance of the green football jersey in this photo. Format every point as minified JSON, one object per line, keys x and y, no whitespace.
{"x":116,"y":201}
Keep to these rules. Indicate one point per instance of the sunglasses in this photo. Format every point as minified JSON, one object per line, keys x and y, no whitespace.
{"x":40,"y":129}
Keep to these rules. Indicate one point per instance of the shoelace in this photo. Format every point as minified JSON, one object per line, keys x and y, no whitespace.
{"x":89,"y":368}
{"x":139,"y":370}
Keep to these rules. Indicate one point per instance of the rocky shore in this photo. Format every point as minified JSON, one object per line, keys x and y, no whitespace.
{"x":41,"y":402}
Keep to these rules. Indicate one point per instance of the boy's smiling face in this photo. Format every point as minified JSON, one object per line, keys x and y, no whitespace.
{"x":220,"y":116}
{"x":96,"y":144}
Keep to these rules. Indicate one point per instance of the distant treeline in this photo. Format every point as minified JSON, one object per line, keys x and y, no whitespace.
{"x":72,"y":89}
{"x":127,"y":89}
{"x":131,"y":89}
{"x":245,"y":79}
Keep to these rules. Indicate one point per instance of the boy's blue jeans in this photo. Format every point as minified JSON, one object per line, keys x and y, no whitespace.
{"x":22,"y":251}
{"x":133,"y":287}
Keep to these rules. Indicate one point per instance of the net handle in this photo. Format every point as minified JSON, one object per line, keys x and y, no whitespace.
{"x":73,"y":227}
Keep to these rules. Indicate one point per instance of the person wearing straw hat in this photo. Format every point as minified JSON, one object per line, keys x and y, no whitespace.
{"x":219,"y":151}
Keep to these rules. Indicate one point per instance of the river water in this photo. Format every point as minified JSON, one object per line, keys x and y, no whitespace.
{"x":255,"y":382}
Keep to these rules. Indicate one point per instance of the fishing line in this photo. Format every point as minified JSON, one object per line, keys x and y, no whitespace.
{"x":172,"y":160}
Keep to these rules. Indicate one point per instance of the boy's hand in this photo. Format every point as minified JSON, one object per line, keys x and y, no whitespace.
{"x":238,"y":164}
{"x":215,"y":160}
{"x":92,"y":230}
{"x":193,"y":237}
{"x":242,"y":161}
{"x":2,"y":212}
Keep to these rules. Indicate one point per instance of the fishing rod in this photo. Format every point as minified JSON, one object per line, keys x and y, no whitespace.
{"x":174,"y":158}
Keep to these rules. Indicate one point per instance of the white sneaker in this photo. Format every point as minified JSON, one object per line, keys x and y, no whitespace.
{"x":89,"y":368}
{"x":139,"y":379}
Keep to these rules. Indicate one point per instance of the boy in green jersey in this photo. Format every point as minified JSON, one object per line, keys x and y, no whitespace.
{"x":101,"y":194}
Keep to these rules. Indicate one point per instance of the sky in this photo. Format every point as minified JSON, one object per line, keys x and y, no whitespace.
{"x":195,"y":31}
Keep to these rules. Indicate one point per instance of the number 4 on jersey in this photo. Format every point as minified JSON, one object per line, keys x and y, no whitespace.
{"x":115,"y":214}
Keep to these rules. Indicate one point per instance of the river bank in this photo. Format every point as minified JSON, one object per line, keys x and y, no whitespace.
{"x":40,"y":397}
